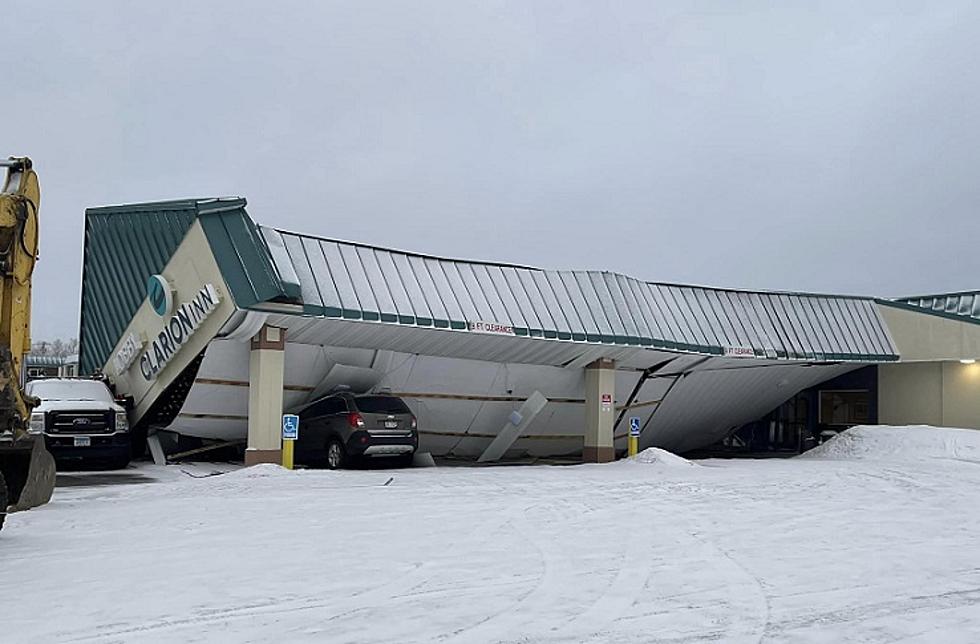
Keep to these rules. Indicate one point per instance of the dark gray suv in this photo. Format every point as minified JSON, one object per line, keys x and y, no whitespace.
{"x":343,"y":427}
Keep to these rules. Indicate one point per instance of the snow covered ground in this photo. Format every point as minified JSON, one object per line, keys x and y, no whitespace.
{"x":874,"y":537}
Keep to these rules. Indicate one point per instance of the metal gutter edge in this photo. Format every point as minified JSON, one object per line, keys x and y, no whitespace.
{"x":243,"y":325}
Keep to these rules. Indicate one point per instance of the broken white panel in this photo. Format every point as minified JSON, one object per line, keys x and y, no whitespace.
{"x":156,"y":449}
{"x":519,"y":421}
{"x":357,"y":379}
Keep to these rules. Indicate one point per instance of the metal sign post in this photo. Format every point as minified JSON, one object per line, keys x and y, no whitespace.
{"x":290,"y":432}
{"x":633,"y":443}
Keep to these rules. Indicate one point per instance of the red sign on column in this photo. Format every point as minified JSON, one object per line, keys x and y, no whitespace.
{"x":606,"y":402}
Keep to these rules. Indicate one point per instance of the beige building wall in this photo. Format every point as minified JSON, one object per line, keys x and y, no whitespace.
{"x":961,"y":395}
{"x":922,"y":336}
{"x":930,"y":386}
{"x":910,"y":394}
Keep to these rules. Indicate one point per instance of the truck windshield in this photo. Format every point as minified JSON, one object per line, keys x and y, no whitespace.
{"x":69,"y":390}
{"x":381,"y":405}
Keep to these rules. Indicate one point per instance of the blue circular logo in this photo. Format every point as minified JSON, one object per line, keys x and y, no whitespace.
{"x":160,"y":296}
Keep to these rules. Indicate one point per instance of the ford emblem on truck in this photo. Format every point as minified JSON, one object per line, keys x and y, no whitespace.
{"x":81,"y":422}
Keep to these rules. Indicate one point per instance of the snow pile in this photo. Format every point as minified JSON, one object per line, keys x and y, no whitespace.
{"x":259,"y":471}
{"x":657,"y":456}
{"x":912,"y":442}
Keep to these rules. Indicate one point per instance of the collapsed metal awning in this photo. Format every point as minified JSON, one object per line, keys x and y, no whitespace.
{"x":352,"y":281}
{"x":475,"y":336}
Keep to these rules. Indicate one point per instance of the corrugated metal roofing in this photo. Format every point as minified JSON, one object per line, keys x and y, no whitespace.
{"x":963,"y":304}
{"x":35,"y":360}
{"x":126,"y":244}
{"x":359,"y":282}
{"x":265,"y":268}
{"x":246,"y":263}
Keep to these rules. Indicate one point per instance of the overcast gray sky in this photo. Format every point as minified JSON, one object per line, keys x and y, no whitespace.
{"x":828,"y":146}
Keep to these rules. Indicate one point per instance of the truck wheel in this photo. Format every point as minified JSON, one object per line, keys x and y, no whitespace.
{"x":3,"y":500}
{"x":336,"y":456}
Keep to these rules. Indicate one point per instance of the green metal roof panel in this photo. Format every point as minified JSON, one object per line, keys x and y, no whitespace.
{"x":123,"y":247}
{"x":195,"y":205}
{"x":962,"y":304}
{"x":245,"y":260}
{"x":126,"y":244}
{"x":361,"y":282}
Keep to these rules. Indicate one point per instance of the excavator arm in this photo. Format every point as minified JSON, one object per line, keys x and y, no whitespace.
{"x":27,"y":470}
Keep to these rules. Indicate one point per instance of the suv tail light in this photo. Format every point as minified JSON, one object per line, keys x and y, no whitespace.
{"x":356,"y":420}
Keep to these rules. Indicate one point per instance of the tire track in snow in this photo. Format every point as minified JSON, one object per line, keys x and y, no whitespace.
{"x":492,"y":627}
{"x":352,"y":603}
{"x":635,"y":567}
{"x":397,"y":589}
{"x":891,"y":608}
{"x":757,"y":589}
{"x":527,"y":610}
{"x":556,"y":511}
{"x":751,"y":595}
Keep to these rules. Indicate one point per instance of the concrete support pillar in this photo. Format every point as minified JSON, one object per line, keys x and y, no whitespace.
{"x":266,"y":365}
{"x":600,"y":412}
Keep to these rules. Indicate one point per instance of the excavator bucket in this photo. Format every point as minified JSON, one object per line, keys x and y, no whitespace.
{"x":29,"y":471}
{"x":27,"y":467}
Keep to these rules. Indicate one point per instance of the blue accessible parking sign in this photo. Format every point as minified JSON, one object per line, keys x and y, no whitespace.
{"x":634,"y":425}
{"x":290,"y":427}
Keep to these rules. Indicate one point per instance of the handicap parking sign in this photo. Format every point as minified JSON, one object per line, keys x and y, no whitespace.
{"x":290,"y":427}
{"x":634,"y":425}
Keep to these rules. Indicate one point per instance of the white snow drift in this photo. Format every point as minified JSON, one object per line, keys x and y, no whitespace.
{"x":914,"y":443}
{"x":657,"y":456}
{"x":874,"y":538}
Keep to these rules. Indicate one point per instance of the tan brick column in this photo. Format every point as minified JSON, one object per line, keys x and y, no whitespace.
{"x":266,"y":366}
{"x":600,"y":411}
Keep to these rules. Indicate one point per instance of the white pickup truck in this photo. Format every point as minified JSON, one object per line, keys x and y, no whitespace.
{"x":81,"y":421}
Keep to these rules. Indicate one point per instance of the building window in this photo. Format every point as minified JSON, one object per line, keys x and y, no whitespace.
{"x":844,"y":407}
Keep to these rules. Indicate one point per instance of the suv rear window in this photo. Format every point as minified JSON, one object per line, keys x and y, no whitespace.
{"x":326,"y":407}
{"x":381,"y":405}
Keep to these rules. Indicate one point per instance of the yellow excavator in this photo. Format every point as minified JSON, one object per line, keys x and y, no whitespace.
{"x":27,"y":469}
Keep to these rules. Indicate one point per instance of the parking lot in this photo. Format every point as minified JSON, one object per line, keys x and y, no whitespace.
{"x":873,"y":543}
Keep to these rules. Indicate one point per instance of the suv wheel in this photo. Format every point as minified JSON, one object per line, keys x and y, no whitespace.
{"x":404,"y":460}
{"x":335,"y":455}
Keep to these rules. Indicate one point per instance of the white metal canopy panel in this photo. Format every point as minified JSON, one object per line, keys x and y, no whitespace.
{"x":462,"y":403}
{"x":365,"y":283}
{"x":709,"y":402}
